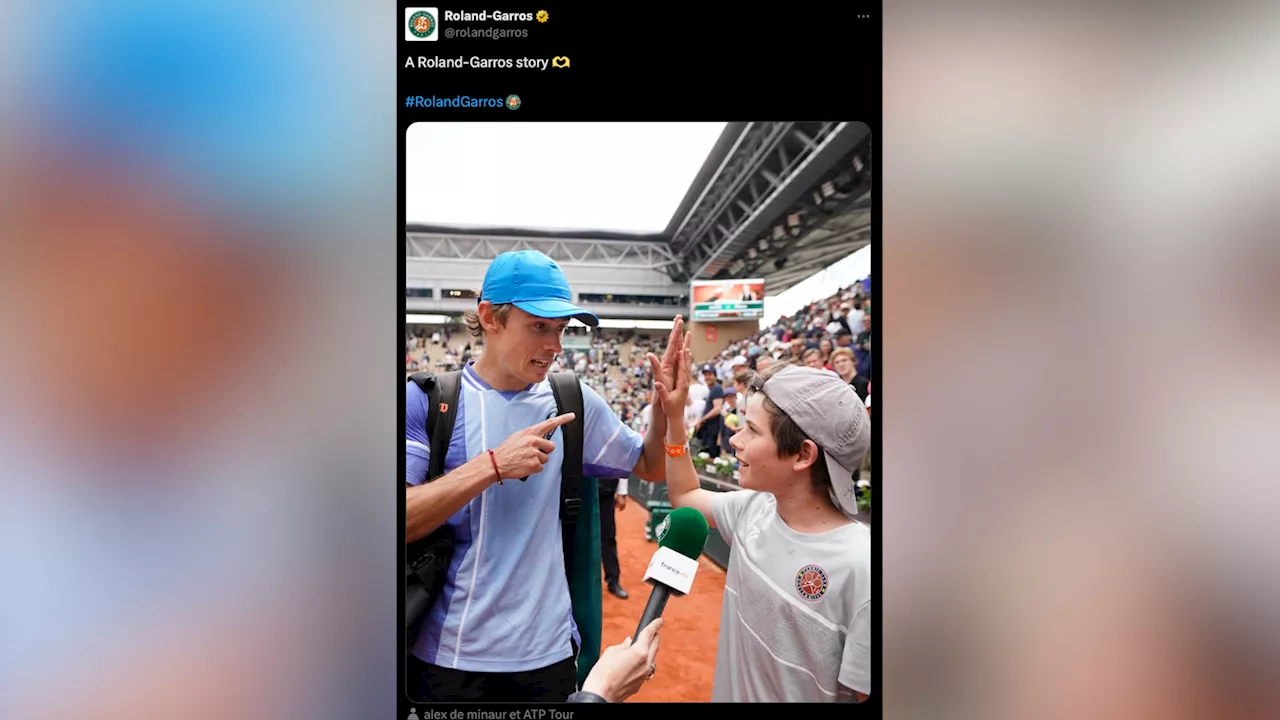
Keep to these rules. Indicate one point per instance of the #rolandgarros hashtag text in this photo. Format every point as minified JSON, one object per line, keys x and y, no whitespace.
{"x":510,"y":102}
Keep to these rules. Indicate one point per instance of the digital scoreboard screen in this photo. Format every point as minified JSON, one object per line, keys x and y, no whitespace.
{"x":727,"y":300}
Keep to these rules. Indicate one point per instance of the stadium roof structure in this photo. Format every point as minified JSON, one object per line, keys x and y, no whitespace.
{"x":775,"y":200}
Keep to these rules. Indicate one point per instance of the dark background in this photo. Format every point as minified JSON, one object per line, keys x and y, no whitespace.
{"x":683,"y":65}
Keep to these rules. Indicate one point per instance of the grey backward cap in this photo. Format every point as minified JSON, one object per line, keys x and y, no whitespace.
{"x":827,"y":410}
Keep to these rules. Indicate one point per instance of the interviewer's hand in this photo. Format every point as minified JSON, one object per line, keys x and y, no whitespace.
{"x":623,"y":668}
{"x":525,"y":453}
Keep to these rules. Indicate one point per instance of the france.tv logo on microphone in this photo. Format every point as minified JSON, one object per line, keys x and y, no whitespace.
{"x":421,"y":24}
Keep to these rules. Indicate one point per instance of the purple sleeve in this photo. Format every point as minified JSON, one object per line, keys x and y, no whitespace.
{"x":417,"y":449}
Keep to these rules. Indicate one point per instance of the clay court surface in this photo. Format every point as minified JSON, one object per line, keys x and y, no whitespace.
{"x":687,"y":654}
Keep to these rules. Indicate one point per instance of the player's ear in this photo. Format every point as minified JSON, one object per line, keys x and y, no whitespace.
{"x":488,"y":320}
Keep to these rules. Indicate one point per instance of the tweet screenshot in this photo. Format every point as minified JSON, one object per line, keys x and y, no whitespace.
{"x":639,"y":316}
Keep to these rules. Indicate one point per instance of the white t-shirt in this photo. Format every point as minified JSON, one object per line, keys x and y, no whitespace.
{"x":697,"y":404}
{"x":692,"y":413}
{"x":854,"y":319}
{"x":698,"y":393}
{"x":795,"y":625}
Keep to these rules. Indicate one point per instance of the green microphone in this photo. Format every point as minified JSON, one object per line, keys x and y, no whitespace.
{"x":681,"y":537}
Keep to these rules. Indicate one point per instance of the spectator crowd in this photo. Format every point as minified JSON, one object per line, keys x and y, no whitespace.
{"x":832,"y":334}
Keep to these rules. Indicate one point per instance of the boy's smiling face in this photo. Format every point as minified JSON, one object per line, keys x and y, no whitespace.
{"x":757,"y":452}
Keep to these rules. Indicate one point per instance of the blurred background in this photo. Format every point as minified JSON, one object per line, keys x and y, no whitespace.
{"x":198,"y":288}
{"x":198,"y":293}
{"x":1078,"y":366}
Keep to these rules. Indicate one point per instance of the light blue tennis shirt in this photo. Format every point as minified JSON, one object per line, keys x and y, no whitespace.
{"x":505,"y":605}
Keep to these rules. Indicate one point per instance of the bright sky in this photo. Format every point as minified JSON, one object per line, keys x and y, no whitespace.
{"x":624,"y":177}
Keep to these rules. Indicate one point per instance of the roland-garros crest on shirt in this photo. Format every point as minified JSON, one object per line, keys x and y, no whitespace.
{"x":811,"y":582}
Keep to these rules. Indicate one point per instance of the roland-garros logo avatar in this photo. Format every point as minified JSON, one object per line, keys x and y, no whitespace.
{"x":421,"y":24}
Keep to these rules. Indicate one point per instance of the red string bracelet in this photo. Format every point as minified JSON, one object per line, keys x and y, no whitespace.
{"x":494,"y":460}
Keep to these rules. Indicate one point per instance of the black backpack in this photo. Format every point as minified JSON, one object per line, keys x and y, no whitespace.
{"x":427,"y":560}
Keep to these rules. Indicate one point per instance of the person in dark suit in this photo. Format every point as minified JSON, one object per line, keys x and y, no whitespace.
{"x":613,"y":497}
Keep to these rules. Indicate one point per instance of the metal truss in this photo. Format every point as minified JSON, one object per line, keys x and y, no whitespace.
{"x":820,"y":215}
{"x":837,"y":202}
{"x":815,"y":252}
{"x":607,"y":253}
{"x":830,"y":221}
{"x":763,"y":161}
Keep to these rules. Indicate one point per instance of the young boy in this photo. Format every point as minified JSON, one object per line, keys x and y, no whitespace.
{"x":796,"y":621}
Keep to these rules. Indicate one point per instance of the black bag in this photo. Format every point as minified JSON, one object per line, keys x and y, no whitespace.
{"x":427,"y":560}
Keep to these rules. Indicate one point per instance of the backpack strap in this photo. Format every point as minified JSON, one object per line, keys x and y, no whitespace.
{"x":568,"y":394}
{"x":442,"y":412}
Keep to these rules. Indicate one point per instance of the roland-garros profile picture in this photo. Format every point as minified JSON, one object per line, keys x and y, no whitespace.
{"x":421,"y":24}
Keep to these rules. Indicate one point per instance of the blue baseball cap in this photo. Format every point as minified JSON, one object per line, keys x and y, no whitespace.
{"x":534,"y":283}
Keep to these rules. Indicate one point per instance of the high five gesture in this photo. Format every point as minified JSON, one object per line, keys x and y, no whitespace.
{"x":673,"y":388}
{"x":662,"y":369}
